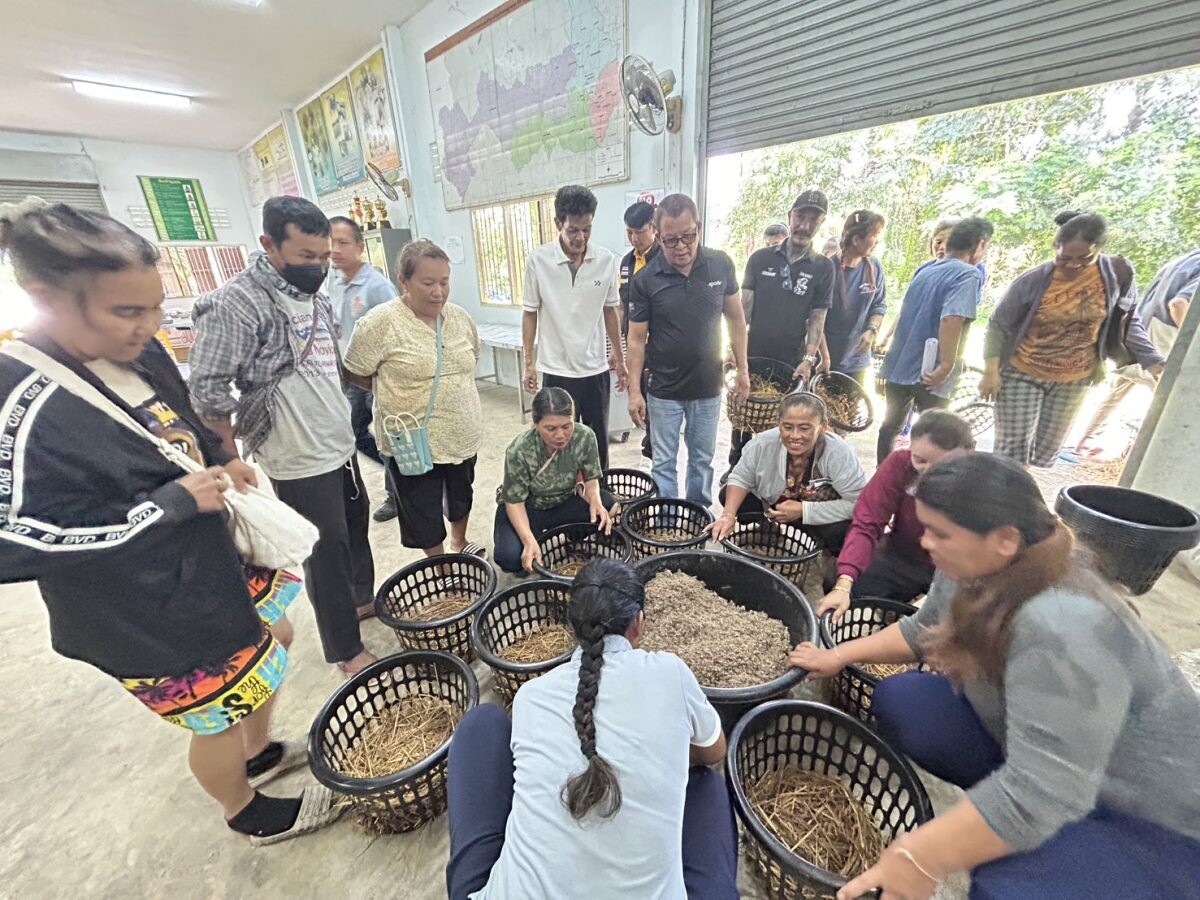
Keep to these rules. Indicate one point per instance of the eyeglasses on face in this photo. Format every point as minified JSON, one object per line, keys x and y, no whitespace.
{"x":675,"y":240}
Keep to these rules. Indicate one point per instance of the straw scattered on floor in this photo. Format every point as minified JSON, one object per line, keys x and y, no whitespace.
{"x":817,"y":818}
{"x":440,"y":606}
{"x":400,"y":736}
{"x":540,"y":644}
{"x":723,"y":644}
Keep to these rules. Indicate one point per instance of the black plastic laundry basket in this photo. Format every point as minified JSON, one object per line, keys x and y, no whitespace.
{"x":758,"y":412}
{"x":424,"y":580}
{"x":509,"y":616}
{"x":579,"y":542}
{"x":751,"y":587}
{"x":412,"y":797}
{"x":817,"y":738}
{"x":1135,"y":535}
{"x":673,"y":513}
{"x":839,"y":390}
{"x":781,"y":547}
{"x":853,"y":687}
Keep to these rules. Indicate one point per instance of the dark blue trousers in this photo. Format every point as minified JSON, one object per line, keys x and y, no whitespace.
{"x":1106,"y":854}
{"x":506,"y":544}
{"x":479,"y":783}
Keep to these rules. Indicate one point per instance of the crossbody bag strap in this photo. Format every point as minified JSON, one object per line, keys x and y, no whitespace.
{"x":437,"y":375}
{"x":71,"y":382}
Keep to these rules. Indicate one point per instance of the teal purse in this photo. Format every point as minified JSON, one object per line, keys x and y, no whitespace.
{"x":410,"y":443}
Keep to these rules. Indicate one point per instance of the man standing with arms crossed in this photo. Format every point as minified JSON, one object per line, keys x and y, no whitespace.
{"x":571,"y":293}
{"x":786,"y":291}
{"x":355,"y":288}
{"x":676,"y":304}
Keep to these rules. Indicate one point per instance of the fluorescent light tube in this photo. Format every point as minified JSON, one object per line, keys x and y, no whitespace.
{"x":131,"y":95}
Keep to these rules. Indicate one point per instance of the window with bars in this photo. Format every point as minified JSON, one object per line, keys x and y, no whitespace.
{"x":504,"y":237}
{"x":191,"y":271}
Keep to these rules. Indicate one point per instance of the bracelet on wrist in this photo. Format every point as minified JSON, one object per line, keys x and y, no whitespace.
{"x":920,"y":868}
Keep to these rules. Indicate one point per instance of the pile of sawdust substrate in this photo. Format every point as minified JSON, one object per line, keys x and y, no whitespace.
{"x":723,"y":644}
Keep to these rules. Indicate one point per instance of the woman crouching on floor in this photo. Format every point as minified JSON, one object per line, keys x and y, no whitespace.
{"x":1075,"y":736}
{"x":599,"y":786}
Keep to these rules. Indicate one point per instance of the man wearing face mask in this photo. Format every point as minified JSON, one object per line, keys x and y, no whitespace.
{"x":269,"y":332}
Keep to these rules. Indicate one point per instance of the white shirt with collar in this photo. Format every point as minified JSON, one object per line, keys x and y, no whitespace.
{"x":649,"y":711}
{"x":570,"y":309}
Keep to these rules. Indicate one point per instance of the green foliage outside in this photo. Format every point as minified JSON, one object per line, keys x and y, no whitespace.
{"x":1129,"y":151}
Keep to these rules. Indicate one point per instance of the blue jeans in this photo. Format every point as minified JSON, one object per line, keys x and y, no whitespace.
{"x":699,"y":419}
{"x":479,"y":788}
{"x":1105,"y":854}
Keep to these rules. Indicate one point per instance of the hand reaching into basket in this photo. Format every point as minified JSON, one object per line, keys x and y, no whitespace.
{"x":818,"y":662}
{"x":599,"y":515}
{"x":531,"y":554}
{"x":722,"y":527}
{"x":837,"y":601}
{"x":897,"y":875}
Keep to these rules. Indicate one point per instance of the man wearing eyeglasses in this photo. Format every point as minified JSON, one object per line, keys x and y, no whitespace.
{"x":676,"y":304}
{"x":786,"y":292}
{"x":571,"y":298}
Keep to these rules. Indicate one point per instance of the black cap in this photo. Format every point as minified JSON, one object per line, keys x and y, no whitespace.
{"x":812,"y":200}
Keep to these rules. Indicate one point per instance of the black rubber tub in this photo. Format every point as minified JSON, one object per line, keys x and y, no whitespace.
{"x":509,"y":616}
{"x":817,"y":738}
{"x":852,"y":688}
{"x":752,"y":587}
{"x":576,"y":542}
{"x":412,"y":797}
{"x":1135,"y":535}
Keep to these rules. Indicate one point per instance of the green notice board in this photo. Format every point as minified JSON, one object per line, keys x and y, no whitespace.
{"x":178,"y":209}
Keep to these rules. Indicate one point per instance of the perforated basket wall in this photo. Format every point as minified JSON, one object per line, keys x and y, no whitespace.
{"x":628,"y":485}
{"x":817,"y":738}
{"x":579,"y":542}
{"x":758,"y":412}
{"x":849,"y":405}
{"x":424,"y":580}
{"x":509,"y":616}
{"x":779,"y":546}
{"x":404,"y":800}
{"x":852,"y":688}
{"x":674,"y":514}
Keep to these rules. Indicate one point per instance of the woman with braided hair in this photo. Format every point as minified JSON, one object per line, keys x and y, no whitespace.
{"x":600,"y":784}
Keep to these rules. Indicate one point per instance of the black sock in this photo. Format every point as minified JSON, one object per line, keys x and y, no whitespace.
{"x":268,"y":759}
{"x":265,"y":816}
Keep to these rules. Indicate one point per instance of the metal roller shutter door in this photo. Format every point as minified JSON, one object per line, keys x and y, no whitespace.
{"x":84,"y":196}
{"x":788,"y":72}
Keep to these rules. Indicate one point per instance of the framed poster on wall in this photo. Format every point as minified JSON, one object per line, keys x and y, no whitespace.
{"x":315,"y":138}
{"x":342,"y":132}
{"x":373,"y":108}
{"x":177,"y":208}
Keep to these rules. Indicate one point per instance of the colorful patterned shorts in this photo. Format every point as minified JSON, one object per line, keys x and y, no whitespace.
{"x":208,"y":700}
{"x":272,"y":591}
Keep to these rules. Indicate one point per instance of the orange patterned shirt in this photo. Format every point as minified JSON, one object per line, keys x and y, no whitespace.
{"x":1062,"y":339}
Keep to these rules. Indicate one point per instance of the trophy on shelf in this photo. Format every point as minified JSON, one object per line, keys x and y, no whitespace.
{"x":370,"y":223}
{"x":381,"y":209}
{"x":357,"y":212}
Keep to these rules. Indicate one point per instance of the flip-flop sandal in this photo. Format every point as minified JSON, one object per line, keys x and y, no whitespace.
{"x":318,"y":808}
{"x":474,"y":549}
{"x":295,"y":755}
{"x":366,"y":611}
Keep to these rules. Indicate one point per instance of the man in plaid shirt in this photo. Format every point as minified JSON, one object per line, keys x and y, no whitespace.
{"x":269,"y":333}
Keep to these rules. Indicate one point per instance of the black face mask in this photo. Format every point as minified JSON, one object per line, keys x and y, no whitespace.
{"x":306,"y":279}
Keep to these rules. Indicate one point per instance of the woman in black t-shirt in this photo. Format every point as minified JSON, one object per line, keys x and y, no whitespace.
{"x":135,"y":562}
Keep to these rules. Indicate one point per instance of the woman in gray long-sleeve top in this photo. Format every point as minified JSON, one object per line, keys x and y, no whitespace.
{"x":1075,"y":736}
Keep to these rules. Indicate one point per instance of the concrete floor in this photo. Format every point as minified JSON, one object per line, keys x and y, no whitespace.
{"x":97,"y":801}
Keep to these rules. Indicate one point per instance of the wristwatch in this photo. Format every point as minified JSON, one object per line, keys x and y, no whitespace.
{"x":811,"y":360}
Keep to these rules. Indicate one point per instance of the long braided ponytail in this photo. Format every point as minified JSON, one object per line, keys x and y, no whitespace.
{"x":605,"y":597}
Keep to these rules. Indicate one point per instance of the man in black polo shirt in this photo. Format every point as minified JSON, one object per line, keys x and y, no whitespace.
{"x":786,"y":291}
{"x":639,"y":228}
{"x":678,"y":300}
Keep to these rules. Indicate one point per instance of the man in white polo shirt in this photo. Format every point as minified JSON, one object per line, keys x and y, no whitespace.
{"x":572,"y":293}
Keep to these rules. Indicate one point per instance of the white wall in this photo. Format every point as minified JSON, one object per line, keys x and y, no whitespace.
{"x":117,"y":166}
{"x":656,"y":31}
